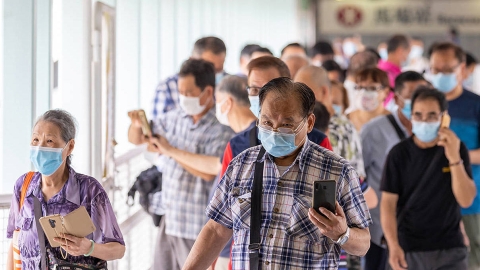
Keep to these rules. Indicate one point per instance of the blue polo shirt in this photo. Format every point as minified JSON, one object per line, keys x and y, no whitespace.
{"x":465,"y":114}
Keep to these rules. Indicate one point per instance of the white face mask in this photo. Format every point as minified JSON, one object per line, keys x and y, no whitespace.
{"x":367,"y":100}
{"x":222,"y":117}
{"x":191,"y":105}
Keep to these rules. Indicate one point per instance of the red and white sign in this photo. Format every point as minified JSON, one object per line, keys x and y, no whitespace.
{"x":349,"y":16}
{"x":406,"y":16}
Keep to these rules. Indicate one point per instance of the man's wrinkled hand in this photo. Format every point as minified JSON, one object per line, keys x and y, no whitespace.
{"x":332,"y":225}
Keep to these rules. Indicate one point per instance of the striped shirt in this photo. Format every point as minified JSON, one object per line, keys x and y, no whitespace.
{"x":185,"y":196}
{"x":289,"y":240}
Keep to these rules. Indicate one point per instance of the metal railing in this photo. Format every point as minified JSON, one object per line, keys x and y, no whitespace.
{"x":137,"y":226}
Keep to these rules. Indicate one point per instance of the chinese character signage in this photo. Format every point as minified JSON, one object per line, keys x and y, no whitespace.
{"x":364,"y":16}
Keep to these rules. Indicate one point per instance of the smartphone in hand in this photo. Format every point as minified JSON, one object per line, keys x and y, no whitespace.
{"x":324,"y":195}
{"x":146,"y":130}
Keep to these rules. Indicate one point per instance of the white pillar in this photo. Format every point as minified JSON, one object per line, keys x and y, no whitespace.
{"x":75,"y":75}
{"x":17,"y":113}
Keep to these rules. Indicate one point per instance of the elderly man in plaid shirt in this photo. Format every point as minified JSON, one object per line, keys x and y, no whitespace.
{"x":293,"y":235}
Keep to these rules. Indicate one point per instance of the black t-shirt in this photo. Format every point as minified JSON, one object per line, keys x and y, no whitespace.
{"x":431,"y":221}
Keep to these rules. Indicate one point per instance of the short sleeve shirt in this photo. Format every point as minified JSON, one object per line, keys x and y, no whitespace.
{"x":289,"y":240}
{"x":428,"y":215}
{"x":185,"y":196}
{"x":79,"y":190}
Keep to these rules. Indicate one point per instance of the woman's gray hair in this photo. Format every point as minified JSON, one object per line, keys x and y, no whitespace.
{"x":64,"y":121}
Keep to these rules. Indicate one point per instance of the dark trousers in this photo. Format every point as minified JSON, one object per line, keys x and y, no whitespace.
{"x":376,"y":258}
{"x":447,"y":259}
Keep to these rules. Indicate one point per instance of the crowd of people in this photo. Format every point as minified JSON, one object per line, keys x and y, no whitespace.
{"x":396,"y":128}
{"x":370,"y":119}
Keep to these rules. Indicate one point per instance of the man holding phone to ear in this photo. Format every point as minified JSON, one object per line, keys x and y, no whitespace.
{"x":426,"y":179}
{"x":292,"y":235}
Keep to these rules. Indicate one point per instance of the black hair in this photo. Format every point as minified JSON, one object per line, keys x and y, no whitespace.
{"x":425,"y":93}
{"x":264,"y":50}
{"x":331,"y":65}
{"x":322,"y":117}
{"x":407,"y":76}
{"x":203,"y":72}
{"x":374,"y":51}
{"x":212,"y":44}
{"x":321,"y":47}
{"x":445,"y":46}
{"x":249,"y":49}
{"x":298,"y":45}
{"x":286,"y":87}
{"x":470,"y":59}
{"x":396,"y":42}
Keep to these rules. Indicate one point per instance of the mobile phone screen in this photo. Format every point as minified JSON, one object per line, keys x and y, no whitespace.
{"x":324,"y":195}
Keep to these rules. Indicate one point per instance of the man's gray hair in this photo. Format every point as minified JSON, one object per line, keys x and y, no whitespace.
{"x":64,"y":121}
{"x":236,"y":87}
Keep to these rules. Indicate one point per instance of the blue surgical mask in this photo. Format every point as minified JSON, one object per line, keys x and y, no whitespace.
{"x":46,"y":160}
{"x":415,"y":52}
{"x":254,"y":105}
{"x":338,"y":109}
{"x":444,"y":82}
{"x":383,"y":53}
{"x":425,"y":131}
{"x":218,"y":77}
{"x":468,"y":82}
{"x":407,"y":108}
{"x":278,"y":144}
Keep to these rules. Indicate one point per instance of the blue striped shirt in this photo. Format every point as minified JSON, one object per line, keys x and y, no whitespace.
{"x":289,"y":240}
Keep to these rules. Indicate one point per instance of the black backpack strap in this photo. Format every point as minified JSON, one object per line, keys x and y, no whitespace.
{"x":256,"y":212}
{"x":397,"y":128}
{"x":253,"y":137}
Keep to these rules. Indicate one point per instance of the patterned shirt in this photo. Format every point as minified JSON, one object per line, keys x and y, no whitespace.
{"x":78,"y":190}
{"x":166,"y":97}
{"x":345,"y":142}
{"x":289,"y":240}
{"x":185,"y":196}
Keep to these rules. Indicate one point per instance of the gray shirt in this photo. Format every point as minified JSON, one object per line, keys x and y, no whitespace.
{"x":378,"y":137}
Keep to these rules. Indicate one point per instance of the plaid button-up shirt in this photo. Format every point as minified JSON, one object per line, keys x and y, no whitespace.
{"x":166,"y":97}
{"x":185,"y":196}
{"x":289,"y":240}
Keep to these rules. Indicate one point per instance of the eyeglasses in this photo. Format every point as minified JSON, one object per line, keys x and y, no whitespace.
{"x":253,"y":90}
{"x":368,"y":88}
{"x":444,"y":71}
{"x":430,"y":117}
{"x":285,"y":129}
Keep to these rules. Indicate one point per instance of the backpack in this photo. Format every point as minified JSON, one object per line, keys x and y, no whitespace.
{"x":147,"y":184}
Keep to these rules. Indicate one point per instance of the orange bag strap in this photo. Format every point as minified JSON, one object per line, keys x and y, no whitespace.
{"x":26,"y":183}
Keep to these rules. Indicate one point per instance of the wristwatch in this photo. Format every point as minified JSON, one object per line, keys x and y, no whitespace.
{"x":344,"y":238}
